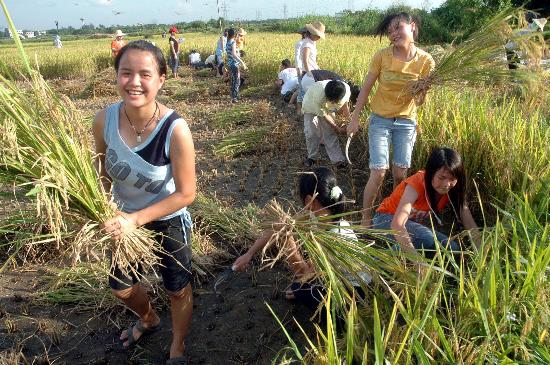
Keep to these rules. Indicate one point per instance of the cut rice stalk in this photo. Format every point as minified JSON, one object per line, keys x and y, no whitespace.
{"x":241,"y":142}
{"x":481,"y":58}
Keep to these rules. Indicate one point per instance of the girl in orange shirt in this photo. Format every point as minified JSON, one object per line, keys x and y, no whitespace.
{"x":422,"y":196}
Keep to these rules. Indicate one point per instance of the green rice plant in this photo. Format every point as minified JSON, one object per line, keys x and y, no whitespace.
{"x":503,"y":147}
{"x":22,"y":235}
{"x":480,"y":58}
{"x":46,"y":150}
{"x":82,"y":287}
{"x":485,"y":306}
{"x":231,"y":224}
{"x":242,"y":142}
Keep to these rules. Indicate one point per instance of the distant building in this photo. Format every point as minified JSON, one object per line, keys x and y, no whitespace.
{"x":41,"y":32}
{"x":29,"y":34}
{"x":7,"y":32}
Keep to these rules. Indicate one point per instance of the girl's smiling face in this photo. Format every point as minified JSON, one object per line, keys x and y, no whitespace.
{"x":443,"y":181}
{"x":138,"y":78}
{"x":401,"y":33}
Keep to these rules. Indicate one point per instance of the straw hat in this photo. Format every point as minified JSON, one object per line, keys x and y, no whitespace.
{"x":242,"y":32}
{"x":119,"y":33}
{"x":173,"y":30}
{"x":316,"y":28}
{"x":538,"y":23}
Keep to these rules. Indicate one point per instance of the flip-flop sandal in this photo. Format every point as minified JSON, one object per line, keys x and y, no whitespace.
{"x":177,"y":361}
{"x":145,"y":331}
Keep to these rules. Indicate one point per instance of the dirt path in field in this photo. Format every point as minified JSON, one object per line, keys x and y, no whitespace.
{"x":235,"y":327}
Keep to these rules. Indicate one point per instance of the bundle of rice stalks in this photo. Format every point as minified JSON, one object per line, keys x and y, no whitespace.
{"x":481,"y":58}
{"x":46,"y":150}
{"x":238,"y":115}
{"x":240,"y":143}
{"x":341,"y":261}
{"x":242,"y":114}
{"x":230,"y":223}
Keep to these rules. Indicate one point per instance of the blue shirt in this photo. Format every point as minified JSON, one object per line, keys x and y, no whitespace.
{"x":231,"y":61}
{"x":141,"y":175}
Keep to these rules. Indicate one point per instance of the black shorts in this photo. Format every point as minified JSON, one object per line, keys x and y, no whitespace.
{"x":288,"y":96}
{"x":174,"y":236}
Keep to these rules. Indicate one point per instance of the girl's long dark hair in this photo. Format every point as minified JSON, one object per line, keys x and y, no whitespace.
{"x":450,"y":160}
{"x":382,"y":28}
{"x":319,"y":184}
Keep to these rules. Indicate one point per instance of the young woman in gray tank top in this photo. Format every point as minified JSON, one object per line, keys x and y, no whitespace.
{"x":147,"y":161}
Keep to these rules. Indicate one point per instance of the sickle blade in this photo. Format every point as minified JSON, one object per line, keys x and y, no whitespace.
{"x":347,"y":148}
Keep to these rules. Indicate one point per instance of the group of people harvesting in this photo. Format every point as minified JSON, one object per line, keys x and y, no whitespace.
{"x":147,"y":164}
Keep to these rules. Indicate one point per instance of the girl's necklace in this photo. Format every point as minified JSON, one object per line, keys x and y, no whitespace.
{"x":138,"y":134}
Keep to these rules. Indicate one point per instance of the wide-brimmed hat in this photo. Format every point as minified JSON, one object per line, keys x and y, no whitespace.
{"x":539,"y":23}
{"x":302,"y":30}
{"x":316,"y":28}
{"x":242,"y":31}
{"x":119,"y":33}
{"x":173,"y":30}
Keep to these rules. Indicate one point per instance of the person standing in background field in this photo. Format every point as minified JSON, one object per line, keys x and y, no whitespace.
{"x":117,"y":43}
{"x":308,"y":51}
{"x":57,"y":41}
{"x":298,"y":64}
{"x":240,"y":40}
{"x":233,"y":62}
{"x":393,"y":109}
{"x":173,"y":59}
{"x":220,"y":49}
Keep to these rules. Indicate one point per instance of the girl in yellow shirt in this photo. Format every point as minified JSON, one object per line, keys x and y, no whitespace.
{"x":393,"y":109}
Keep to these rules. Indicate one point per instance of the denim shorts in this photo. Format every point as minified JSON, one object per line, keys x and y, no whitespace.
{"x":422,"y":237}
{"x":397,"y":132}
{"x":174,"y":236}
{"x":174,"y":62}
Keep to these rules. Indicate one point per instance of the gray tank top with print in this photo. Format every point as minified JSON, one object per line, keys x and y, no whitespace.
{"x":141,"y":175}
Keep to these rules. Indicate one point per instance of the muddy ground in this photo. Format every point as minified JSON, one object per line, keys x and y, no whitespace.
{"x":235,"y":327}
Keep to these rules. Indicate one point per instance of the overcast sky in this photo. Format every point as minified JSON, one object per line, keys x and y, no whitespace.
{"x":41,"y":14}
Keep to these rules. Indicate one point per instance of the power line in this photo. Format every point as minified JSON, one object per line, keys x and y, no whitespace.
{"x":224,"y":9}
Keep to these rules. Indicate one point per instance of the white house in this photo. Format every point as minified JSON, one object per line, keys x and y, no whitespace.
{"x":19,"y":31}
{"x":29,"y":34}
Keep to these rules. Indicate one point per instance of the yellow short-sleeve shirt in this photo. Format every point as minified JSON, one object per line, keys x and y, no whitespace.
{"x":392,"y":99}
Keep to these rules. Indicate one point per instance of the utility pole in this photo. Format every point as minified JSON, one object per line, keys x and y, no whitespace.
{"x":258,"y":14}
{"x":224,"y":9}
{"x":350,"y":5}
{"x":285,"y":11}
{"x":219,"y":17}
